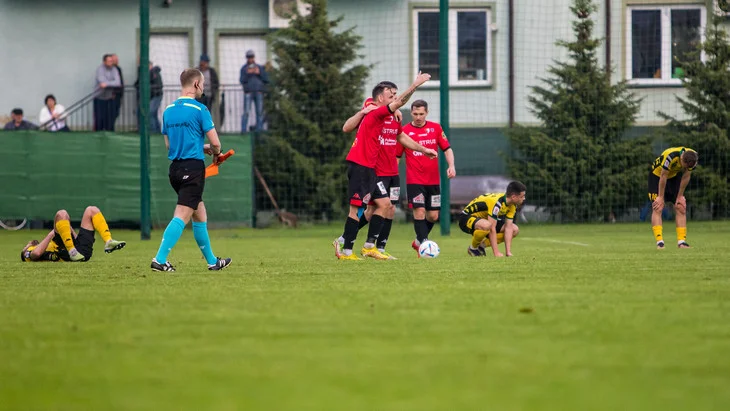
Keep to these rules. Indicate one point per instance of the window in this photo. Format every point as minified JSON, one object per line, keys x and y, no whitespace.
{"x":469,"y":45}
{"x":659,"y":40}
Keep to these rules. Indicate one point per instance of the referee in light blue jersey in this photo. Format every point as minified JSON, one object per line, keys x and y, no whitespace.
{"x":185,"y":124}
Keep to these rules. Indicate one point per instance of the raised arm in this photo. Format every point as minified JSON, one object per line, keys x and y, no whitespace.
{"x":41,"y":247}
{"x":401,"y":100}
{"x":353,"y":122}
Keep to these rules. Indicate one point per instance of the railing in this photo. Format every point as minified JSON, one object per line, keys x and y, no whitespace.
{"x":226,"y":110}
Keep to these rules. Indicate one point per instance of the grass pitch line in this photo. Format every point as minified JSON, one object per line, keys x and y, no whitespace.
{"x":549,"y":240}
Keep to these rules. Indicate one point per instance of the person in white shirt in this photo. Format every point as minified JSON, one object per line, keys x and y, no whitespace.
{"x":52,"y":116}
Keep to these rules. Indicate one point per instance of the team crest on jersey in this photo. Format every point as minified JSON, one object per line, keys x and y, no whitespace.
{"x":443,"y":135}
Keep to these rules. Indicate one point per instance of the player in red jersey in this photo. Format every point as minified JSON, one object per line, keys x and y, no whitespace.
{"x":387,"y":183}
{"x":422,"y":174}
{"x":362,"y":160}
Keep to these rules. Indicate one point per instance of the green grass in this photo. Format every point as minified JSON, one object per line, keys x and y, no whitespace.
{"x":610,"y":325}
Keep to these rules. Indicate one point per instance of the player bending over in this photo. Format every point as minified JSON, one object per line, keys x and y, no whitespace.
{"x":665,"y":185}
{"x":489,"y":220}
{"x":63,"y":244}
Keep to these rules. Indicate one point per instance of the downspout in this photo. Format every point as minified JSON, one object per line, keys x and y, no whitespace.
{"x":608,"y":37}
{"x":511,"y":61}
{"x":204,"y":24}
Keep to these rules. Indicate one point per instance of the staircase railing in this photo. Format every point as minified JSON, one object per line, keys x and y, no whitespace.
{"x":226,"y":110}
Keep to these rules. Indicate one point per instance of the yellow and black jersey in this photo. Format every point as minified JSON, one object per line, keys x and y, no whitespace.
{"x":491,"y":205}
{"x":669,"y":160}
{"x":53,"y":253}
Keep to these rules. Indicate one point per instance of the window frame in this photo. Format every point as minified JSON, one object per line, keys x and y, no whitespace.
{"x":453,"y":47}
{"x":665,"y":11}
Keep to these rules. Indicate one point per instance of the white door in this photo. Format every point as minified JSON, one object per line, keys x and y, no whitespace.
{"x":232,"y":49}
{"x":171,"y":53}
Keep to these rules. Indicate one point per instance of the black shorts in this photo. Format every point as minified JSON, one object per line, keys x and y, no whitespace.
{"x":670,"y":190}
{"x":361,"y":183}
{"x":187,"y":178}
{"x":84,"y":243}
{"x":423,"y":196}
{"x":386,"y":186}
{"x":467,"y":223}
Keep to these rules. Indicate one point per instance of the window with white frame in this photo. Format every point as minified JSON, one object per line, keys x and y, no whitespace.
{"x":470,"y":45}
{"x":659,"y":39}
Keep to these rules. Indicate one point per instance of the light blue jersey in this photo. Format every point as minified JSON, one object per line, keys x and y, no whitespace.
{"x":185,"y":123}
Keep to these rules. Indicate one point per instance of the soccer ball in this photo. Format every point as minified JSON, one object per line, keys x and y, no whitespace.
{"x":428,"y":249}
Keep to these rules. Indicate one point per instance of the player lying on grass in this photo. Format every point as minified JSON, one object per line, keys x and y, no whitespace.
{"x":665,"y":185}
{"x":64,"y":244}
{"x":489,"y":220}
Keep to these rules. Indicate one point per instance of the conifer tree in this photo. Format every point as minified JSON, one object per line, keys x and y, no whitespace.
{"x":578,"y":162}
{"x":316,"y":84}
{"x":704,"y":127}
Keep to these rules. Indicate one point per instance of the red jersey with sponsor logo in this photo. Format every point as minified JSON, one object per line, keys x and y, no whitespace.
{"x":419,"y":168}
{"x":387,"y":164}
{"x":365,"y":148}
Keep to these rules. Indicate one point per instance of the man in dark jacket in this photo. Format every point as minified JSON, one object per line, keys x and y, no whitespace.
{"x":155,"y":97}
{"x":211,"y":83}
{"x":254,"y":80}
{"x":17,"y":122}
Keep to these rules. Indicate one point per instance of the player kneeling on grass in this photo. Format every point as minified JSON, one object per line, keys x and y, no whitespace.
{"x":63,"y":244}
{"x":666,"y":185}
{"x":489,"y":220}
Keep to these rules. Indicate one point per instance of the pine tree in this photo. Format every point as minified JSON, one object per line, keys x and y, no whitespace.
{"x":578,"y":162}
{"x":315,"y":86}
{"x":704,"y":127}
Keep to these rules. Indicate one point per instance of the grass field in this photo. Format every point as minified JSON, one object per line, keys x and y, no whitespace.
{"x":582,"y":318}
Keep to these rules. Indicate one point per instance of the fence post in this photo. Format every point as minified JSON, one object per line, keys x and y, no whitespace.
{"x":143,"y":120}
{"x":445,"y":215}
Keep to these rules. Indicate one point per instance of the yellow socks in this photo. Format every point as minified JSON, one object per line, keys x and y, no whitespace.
{"x":477,"y":238}
{"x":63,"y":228}
{"x":101,"y":226}
{"x":657,"y":229}
{"x":681,"y":234}
{"x":500,"y":240}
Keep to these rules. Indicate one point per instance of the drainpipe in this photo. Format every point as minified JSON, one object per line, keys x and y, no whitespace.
{"x":511,"y":61}
{"x":608,"y":36}
{"x":204,"y":24}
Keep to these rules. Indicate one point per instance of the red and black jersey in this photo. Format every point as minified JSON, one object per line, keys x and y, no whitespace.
{"x":365,"y":148}
{"x":419,"y":168}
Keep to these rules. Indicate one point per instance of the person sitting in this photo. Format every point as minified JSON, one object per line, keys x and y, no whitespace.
{"x":18,"y":123}
{"x":52,"y":116}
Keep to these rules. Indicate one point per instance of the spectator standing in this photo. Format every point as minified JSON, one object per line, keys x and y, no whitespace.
{"x":18,"y":123}
{"x":211,"y":84}
{"x":254,"y":80}
{"x":52,"y":116}
{"x":107,"y":79}
{"x":155,"y":97}
{"x":118,"y":91}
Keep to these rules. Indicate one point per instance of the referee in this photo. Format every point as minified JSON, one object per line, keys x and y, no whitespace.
{"x":185,"y":124}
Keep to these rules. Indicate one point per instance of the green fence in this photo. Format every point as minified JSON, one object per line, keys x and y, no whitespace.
{"x":43,"y":172}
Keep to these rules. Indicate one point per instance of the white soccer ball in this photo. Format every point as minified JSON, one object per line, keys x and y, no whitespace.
{"x":429,"y":249}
